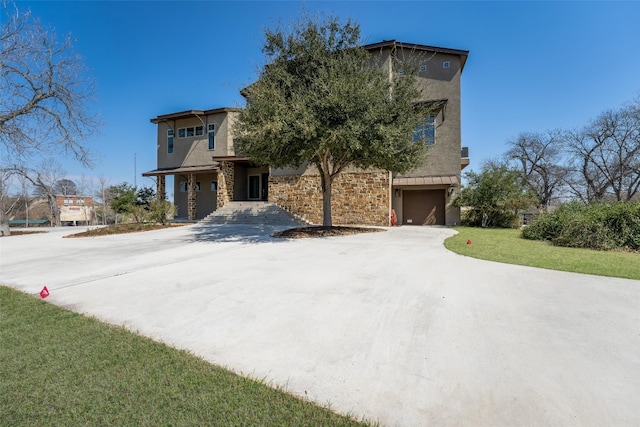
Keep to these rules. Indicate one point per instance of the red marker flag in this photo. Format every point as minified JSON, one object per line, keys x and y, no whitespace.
{"x":44,"y":292}
{"x":468,"y":242}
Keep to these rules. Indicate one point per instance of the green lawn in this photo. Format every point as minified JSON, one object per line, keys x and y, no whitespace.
{"x":507,"y":246}
{"x":61,"y":368}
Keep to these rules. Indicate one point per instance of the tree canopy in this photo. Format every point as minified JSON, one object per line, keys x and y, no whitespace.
{"x":493,"y":196}
{"x":538,"y":156}
{"x":321,"y":100}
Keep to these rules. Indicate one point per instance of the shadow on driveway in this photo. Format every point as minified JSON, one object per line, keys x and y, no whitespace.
{"x":242,"y":233}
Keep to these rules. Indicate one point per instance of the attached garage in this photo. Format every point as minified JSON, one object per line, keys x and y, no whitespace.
{"x":423,"y":207}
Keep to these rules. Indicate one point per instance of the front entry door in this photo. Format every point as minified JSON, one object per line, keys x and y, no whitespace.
{"x":255,"y":187}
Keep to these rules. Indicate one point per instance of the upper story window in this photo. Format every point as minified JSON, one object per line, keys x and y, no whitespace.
{"x":80,"y":202}
{"x":170,"y":141}
{"x":212,"y":136}
{"x":68,"y":202}
{"x":423,"y":68}
{"x":446,"y":64}
{"x":190,"y":132}
{"x":426,"y":132}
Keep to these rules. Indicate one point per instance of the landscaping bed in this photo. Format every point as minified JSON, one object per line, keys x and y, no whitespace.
{"x":121,"y":229}
{"x":320,"y":231}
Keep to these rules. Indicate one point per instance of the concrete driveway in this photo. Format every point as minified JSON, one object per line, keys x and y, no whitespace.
{"x":390,"y":325}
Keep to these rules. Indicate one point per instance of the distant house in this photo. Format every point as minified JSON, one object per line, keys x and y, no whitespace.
{"x":75,"y":210}
{"x":196,"y":148}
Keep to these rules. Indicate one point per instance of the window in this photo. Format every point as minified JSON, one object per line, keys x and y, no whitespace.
{"x":426,"y":132}
{"x":400,"y":71}
{"x":212,"y":137}
{"x":214,"y":185}
{"x":80,"y":202}
{"x":170,"y":141}
{"x":423,"y":68}
{"x":183,"y":186}
{"x":68,"y":202}
{"x":190,"y":132}
{"x":446,"y":64}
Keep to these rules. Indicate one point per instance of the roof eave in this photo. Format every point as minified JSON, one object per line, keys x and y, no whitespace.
{"x":393,"y":44}
{"x":192,"y":113}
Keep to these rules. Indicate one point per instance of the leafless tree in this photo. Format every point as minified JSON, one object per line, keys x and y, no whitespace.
{"x":104,"y":195}
{"x":25,"y":196}
{"x":43,"y":178}
{"x":44,"y":95}
{"x":539,"y":157}
{"x":606,"y":155}
{"x":6,"y":203}
{"x":66,"y":187}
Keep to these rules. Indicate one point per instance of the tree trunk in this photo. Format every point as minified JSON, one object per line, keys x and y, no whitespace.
{"x":55,"y":212}
{"x":326,"y":199}
{"x":4,"y":224}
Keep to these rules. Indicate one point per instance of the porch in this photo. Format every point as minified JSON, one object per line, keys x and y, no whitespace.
{"x":200,"y":190}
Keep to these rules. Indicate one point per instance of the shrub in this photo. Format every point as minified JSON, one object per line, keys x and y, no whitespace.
{"x":600,"y":226}
{"x":493,"y":218}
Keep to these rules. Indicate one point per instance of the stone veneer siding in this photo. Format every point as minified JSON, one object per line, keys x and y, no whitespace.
{"x":162,"y":192}
{"x":192,"y":208}
{"x":356,"y":198}
{"x":225,"y":184}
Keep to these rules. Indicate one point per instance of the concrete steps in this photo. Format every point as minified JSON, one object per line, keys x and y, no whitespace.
{"x":253,"y":213}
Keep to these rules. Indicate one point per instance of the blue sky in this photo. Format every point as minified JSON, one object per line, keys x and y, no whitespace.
{"x":532,"y":66}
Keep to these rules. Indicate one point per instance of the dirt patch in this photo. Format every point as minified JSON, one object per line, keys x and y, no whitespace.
{"x":22,"y":233}
{"x":121,"y":229}
{"x":306,"y":232}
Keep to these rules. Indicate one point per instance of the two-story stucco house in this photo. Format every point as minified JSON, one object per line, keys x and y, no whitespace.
{"x":196,"y":147}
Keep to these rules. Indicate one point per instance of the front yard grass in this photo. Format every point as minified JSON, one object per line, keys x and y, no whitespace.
{"x":506,"y":245}
{"x":62,"y":368}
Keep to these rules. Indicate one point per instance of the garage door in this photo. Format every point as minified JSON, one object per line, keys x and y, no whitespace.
{"x":423,"y":207}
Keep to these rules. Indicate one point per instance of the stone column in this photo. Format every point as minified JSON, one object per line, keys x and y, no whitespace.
{"x":161,"y":190}
{"x":225,"y":183}
{"x":191,"y":197}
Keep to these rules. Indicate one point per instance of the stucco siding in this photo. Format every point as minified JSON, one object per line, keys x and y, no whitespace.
{"x":194,"y":151}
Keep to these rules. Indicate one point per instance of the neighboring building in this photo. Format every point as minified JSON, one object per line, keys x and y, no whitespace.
{"x":75,"y":210}
{"x":196,"y":147}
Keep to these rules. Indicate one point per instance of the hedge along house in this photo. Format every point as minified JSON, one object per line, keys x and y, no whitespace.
{"x":196,"y":148}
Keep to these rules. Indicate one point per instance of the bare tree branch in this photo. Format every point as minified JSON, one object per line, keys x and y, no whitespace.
{"x":44,"y":99}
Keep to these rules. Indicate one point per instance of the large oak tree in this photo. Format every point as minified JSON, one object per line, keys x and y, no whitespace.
{"x":322,"y":100}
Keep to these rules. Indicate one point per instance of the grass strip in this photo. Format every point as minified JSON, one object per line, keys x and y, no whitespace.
{"x":62,"y":368}
{"x":506,"y":245}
